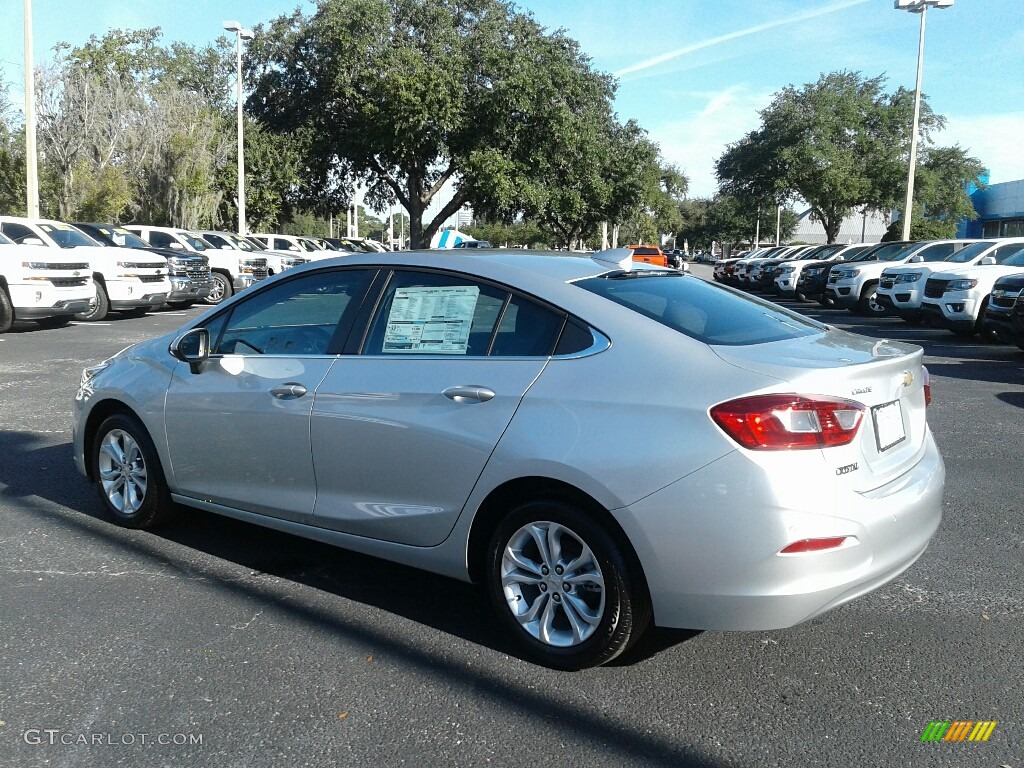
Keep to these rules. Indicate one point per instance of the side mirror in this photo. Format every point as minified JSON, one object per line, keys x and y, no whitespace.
{"x":192,"y":347}
{"x":987,"y":261}
{"x":176,"y":246}
{"x":915,"y":259}
{"x":226,"y":247}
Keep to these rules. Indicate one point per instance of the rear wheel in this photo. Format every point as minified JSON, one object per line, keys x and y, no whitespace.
{"x":221,"y":289}
{"x":100,"y":307}
{"x":563,"y":587}
{"x":6,"y":312}
{"x":130,"y":481}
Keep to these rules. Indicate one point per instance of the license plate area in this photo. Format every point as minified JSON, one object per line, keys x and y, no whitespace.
{"x":888,"y":422}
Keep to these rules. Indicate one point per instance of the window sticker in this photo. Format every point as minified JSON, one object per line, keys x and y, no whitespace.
{"x":432,"y":321}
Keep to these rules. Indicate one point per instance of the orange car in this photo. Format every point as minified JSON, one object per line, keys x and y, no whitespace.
{"x":649,"y":254}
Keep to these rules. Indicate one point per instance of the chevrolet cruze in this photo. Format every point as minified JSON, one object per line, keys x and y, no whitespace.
{"x":601,"y":444}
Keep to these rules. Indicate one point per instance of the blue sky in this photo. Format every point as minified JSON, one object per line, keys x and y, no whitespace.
{"x":694,"y":73}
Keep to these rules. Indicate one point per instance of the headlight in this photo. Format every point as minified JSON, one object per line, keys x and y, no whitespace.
{"x":813,"y":272}
{"x":961,"y":285}
{"x":784,"y":270}
{"x":846,"y":274}
{"x":908,"y":277}
{"x":35,"y":265}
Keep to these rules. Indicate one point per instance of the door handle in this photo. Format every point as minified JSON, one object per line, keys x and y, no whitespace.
{"x":288,"y":391}
{"x":467,"y":394}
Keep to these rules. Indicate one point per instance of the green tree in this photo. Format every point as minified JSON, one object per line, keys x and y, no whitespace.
{"x":410,"y":96}
{"x":12,"y":156}
{"x":839,"y":144}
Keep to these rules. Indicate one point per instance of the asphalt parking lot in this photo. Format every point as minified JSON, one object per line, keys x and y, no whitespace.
{"x":214,"y":643}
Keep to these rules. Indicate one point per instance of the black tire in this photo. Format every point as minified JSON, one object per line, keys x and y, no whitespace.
{"x":6,"y":312}
{"x":58,"y":321}
{"x":180,"y":304}
{"x":620,"y":610}
{"x":98,"y":310}
{"x":868,"y":305}
{"x":222,"y":289}
{"x":122,"y":449}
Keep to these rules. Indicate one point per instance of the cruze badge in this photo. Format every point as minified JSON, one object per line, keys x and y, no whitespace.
{"x":908,"y":378}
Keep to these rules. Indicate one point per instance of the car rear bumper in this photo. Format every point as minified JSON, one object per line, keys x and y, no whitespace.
{"x":710,"y":547}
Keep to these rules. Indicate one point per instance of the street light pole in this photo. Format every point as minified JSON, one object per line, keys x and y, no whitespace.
{"x":31,"y":163}
{"x":240,"y":34}
{"x":921,"y":7}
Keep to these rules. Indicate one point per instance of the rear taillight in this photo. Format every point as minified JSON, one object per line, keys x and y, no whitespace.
{"x":927,"y":386}
{"x":782,"y":422}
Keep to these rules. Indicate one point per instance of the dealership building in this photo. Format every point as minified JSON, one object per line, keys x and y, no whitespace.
{"x":1000,"y":210}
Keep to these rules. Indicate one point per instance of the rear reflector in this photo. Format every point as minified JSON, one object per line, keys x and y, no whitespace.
{"x":813,"y":545}
{"x":927,"y":386}
{"x":783,"y":422}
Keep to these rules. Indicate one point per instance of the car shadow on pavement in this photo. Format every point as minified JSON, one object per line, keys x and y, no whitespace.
{"x":1016,"y":399}
{"x":28,"y":470}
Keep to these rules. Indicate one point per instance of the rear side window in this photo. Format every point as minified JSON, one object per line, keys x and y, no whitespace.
{"x":704,"y":311}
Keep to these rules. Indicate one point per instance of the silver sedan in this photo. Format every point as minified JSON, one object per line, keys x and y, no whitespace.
{"x":601,"y":444}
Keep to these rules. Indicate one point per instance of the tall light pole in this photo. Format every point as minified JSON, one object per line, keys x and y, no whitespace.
{"x":31,"y":164}
{"x":921,"y":7}
{"x":240,"y":34}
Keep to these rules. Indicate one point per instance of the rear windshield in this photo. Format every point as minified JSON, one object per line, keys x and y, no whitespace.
{"x":704,"y":311}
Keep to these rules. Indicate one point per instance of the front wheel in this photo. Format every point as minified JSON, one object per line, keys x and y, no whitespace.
{"x":99,"y":308}
{"x":868,"y":304}
{"x":130,"y":481}
{"x":564,"y":587}
{"x":221,"y":289}
{"x":6,"y":312}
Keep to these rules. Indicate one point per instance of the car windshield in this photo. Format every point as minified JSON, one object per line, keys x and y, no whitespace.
{"x":122,"y":237}
{"x":66,"y":236}
{"x":240,"y":243}
{"x":308,"y":244}
{"x":253,"y":243}
{"x":856,"y":253}
{"x":193,"y":241}
{"x":1017,"y":260}
{"x":703,"y":311}
{"x":971,"y":252}
{"x":892,"y":252}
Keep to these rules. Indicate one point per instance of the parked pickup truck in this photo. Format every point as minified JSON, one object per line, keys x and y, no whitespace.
{"x":36,"y":284}
{"x":127,"y":284}
{"x":188,"y":272}
{"x":956,"y":299}
{"x":232,"y":271}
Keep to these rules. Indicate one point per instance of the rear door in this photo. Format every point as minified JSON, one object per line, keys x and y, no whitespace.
{"x":401,"y":431}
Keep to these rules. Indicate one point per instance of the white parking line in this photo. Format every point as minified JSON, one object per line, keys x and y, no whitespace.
{"x":74,"y":323}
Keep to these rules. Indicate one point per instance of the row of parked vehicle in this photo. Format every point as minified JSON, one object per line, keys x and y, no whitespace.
{"x":54,"y":271}
{"x":966,"y":286}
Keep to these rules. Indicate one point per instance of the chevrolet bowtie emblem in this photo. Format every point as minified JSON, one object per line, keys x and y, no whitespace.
{"x":908,"y":378}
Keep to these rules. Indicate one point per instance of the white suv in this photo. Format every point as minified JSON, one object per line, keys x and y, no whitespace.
{"x":38,"y":284}
{"x":130,"y":283}
{"x":901,"y":289}
{"x":230,"y":270}
{"x":956,"y":298}
{"x":855,"y":287}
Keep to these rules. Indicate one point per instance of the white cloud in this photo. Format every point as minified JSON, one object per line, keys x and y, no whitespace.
{"x":695,"y":142}
{"x":993,"y":139}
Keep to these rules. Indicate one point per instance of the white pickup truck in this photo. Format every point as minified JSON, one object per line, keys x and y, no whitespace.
{"x":231,"y":271}
{"x":127,"y":283}
{"x":856,"y":287}
{"x":36,"y":284}
{"x":277,"y":262}
{"x":901,"y":289}
{"x":955,"y":299}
